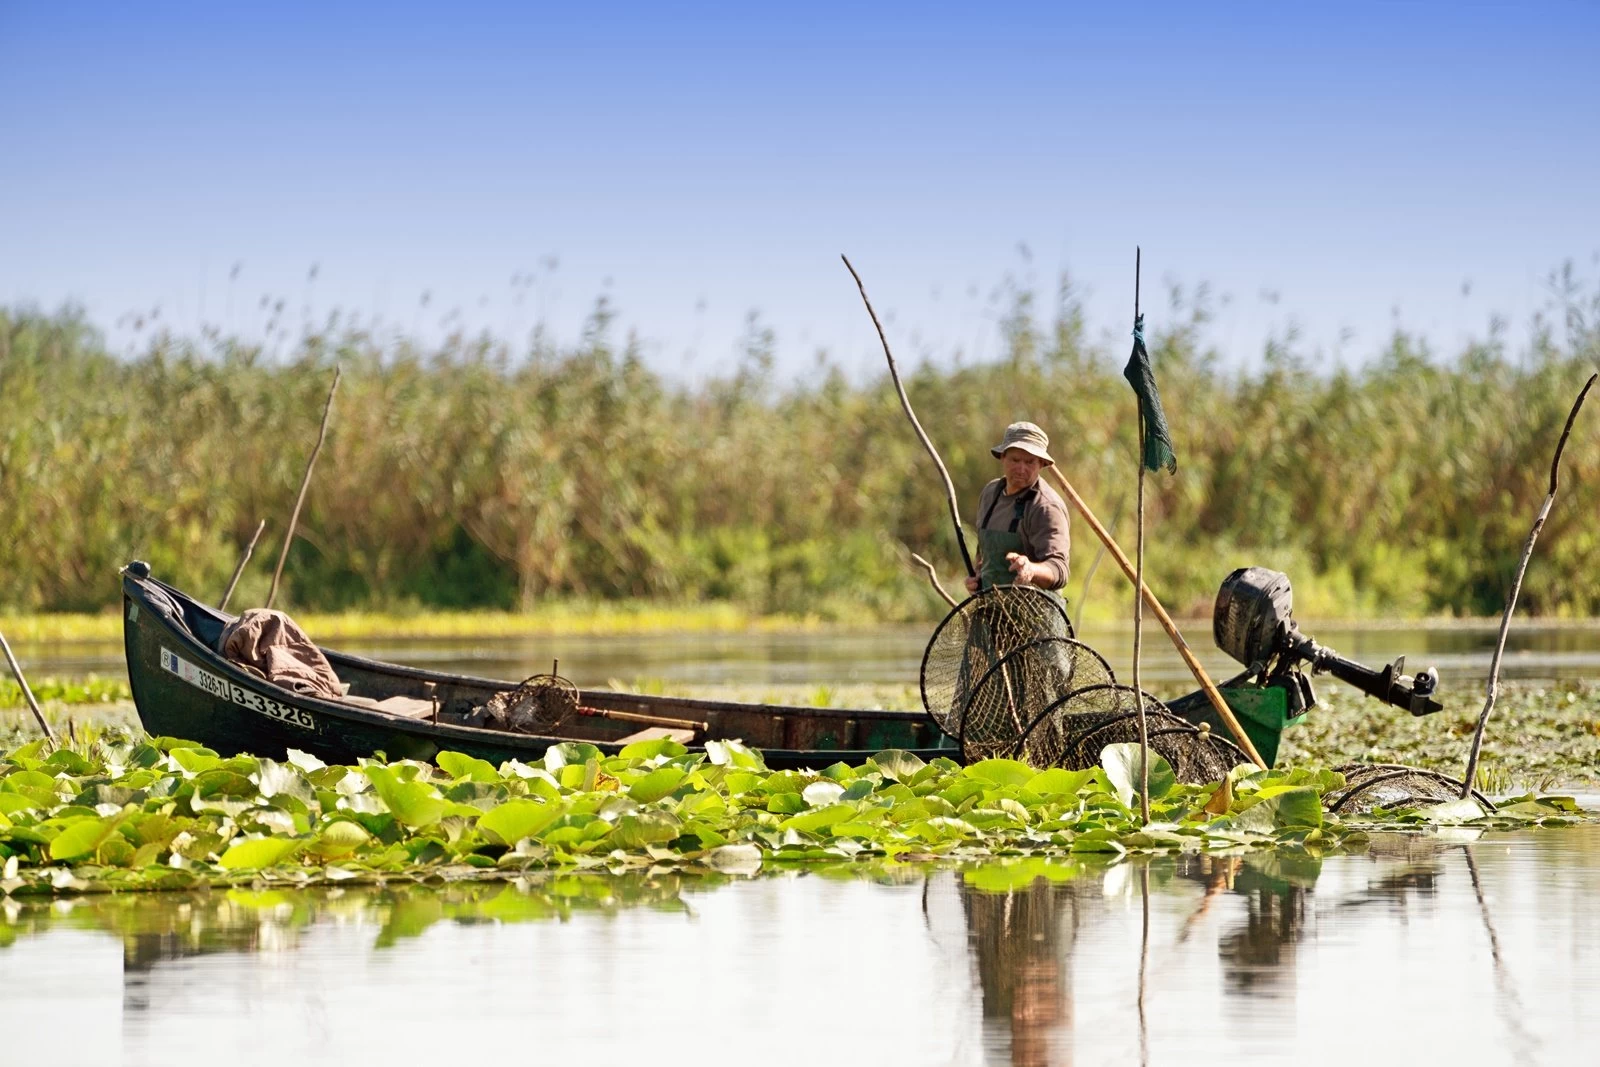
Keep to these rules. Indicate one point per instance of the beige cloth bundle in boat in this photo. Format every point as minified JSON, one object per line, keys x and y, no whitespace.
{"x":271,"y":645}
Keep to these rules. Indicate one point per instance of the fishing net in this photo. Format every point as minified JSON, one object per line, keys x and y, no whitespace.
{"x":1013,"y":692}
{"x":1393,"y":785}
{"x":1072,"y":732}
{"x":978,"y":634}
{"x":537,"y":705}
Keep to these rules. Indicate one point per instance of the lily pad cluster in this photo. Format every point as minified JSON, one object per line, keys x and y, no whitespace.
{"x":164,"y":813}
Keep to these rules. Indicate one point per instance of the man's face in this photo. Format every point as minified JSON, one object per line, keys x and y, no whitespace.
{"x":1021,"y":468}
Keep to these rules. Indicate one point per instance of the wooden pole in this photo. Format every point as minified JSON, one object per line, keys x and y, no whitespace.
{"x":1188,"y":656}
{"x":1511,"y":601}
{"x":933,"y":579}
{"x":305,"y":483}
{"x":1138,"y":584}
{"x":905,"y":402}
{"x":27,"y":693}
{"x":237,"y":571}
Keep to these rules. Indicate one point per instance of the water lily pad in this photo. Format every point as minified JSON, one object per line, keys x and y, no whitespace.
{"x":259,"y":853}
{"x":657,"y":784}
{"x":517,"y":819}
{"x":1121,"y":763}
{"x":460,"y":766}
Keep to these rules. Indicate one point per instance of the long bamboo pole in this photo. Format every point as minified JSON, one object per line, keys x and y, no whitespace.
{"x":243,"y":560}
{"x":33,"y":705}
{"x":1188,"y":656}
{"x":305,"y":483}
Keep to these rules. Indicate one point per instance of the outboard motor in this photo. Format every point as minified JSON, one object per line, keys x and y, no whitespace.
{"x":1253,"y":622}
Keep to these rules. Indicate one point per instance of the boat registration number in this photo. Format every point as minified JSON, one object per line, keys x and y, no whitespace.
{"x":223,"y":689}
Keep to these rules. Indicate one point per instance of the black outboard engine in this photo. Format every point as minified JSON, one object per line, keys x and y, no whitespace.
{"x":1253,"y":622}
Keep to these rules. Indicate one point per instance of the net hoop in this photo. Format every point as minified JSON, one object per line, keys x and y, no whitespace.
{"x":946,"y":648}
{"x":1077,"y":655}
{"x":1164,"y":730}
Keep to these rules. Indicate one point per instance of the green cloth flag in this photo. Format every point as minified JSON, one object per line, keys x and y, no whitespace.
{"x":1157,"y":439}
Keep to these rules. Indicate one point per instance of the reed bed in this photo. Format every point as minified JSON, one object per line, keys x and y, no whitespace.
{"x":468,"y":476}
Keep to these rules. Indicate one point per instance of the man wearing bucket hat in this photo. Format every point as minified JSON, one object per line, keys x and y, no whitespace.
{"x":1023,"y":536}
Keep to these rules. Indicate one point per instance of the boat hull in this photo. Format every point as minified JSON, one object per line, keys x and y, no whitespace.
{"x":183,"y":688}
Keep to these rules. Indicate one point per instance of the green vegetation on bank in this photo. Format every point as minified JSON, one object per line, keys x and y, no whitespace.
{"x":110,"y":813}
{"x":471,"y":477}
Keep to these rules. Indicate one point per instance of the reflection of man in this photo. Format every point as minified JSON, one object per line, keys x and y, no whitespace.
{"x":1023,"y":538}
{"x":1021,"y":942}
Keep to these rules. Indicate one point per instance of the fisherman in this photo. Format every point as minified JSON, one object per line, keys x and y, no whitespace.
{"x":1023,"y":537}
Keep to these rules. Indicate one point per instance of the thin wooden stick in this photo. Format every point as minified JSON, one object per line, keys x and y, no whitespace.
{"x":33,"y":705}
{"x":1138,"y":584}
{"x":305,"y":483}
{"x":1516,"y":588}
{"x":1187,"y":654}
{"x":1144,"y":954}
{"x":1138,"y":640}
{"x":933,"y":579}
{"x":248,"y":549}
{"x":905,"y":402}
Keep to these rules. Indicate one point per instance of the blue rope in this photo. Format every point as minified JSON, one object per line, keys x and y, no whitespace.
{"x":1138,"y":330}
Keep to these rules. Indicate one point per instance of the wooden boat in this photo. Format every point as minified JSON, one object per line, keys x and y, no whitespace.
{"x":184,"y":688}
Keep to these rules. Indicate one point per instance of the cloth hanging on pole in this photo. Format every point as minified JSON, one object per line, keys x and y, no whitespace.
{"x":1156,"y":447}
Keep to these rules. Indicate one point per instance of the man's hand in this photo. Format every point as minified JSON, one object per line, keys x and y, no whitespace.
{"x":972,"y":584}
{"x":1024,"y":568}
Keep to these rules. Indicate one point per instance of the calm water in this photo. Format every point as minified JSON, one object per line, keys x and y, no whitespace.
{"x":1420,"y":951}
{"x":893,"y":655}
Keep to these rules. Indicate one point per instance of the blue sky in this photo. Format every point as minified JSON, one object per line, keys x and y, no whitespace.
{"x":1337,"y":170}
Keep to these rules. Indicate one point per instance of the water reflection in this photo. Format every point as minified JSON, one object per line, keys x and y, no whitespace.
{"x":1482,"y":949}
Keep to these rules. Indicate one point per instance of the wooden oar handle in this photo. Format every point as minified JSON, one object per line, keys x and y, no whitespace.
{"x":1189,"y":659}
{"x":648,"y":720}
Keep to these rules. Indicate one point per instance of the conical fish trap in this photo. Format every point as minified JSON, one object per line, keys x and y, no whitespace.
{"x":537,"y":705}
{"x":977,"y":634}
{"x":1015,"y":691}
{"x":1072,"y":732}
{"x":1391,"y":786}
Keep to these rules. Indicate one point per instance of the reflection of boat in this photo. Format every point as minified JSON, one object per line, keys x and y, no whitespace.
{"x":184,"y":688}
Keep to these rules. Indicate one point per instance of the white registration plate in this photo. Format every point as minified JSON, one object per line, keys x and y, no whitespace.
{"x":225,"y":690}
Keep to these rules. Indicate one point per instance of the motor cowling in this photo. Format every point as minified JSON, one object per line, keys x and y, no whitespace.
{"x":1253,"y":614}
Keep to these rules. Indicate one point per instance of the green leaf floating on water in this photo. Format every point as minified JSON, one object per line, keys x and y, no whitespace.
{"x":413,"y":803}
{"x":657,"y":784}
{"x":656,"y":746}
{"x":460,"y":766}
{"x":259,"y":853}
{"x":81,"y":838}
{"x":897,"y":763}
{"x":735,"y":754}
{"x":1122,"y":765}
{"x":1002,"y":771}
{"x":517,"y":819}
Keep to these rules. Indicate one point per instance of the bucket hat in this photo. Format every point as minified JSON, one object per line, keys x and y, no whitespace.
{"x":1026,"y":436}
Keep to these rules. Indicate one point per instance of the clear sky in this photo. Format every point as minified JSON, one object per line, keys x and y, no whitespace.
{"x":1337,"y":168}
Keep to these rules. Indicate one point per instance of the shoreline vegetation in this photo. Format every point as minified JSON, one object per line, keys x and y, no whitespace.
{"x":474,"y":475}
